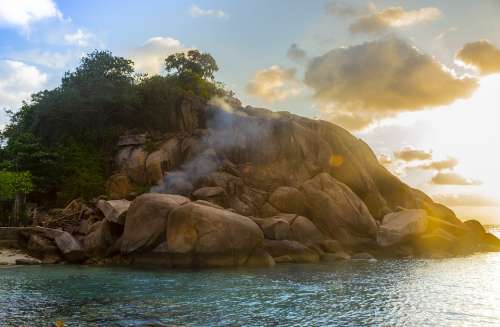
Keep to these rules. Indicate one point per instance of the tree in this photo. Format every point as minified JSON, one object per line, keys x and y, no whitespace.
{"x":13,"y":187}
{"x":12,"y":183}
{"x":195,"y":62}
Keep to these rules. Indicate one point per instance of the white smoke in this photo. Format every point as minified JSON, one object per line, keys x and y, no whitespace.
{"x":231,"y":133}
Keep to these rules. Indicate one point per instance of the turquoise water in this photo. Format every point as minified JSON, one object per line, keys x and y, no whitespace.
{"x":451,"y":292}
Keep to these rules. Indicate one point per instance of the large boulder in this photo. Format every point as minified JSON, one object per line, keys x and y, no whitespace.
{"x":132,"y":161}
{"x":297,"y":252}
{"x":99,"y":241}
{"x":215,"y":194}
{"x":490,"y":243}
{"x":70,"y":248}
{"x":203,"y":235}
{"x":401,"y":226}
{"x":303,"y":230}
{"x":437,"y":244}
{"x":146,"y":221}
{"x":274,"y":228}
{"x":290,"y":227}
{"x":43,"y":248}
{"x":115,"y":210}
{"x":118,"y":186}
{"x":337,"y":211}
{"x":288,"y":200}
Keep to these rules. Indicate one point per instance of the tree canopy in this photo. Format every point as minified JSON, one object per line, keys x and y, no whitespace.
{"x":194,"y":62}
{"x":65,"y":137}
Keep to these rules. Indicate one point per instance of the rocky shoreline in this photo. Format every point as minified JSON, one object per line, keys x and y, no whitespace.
{"x":242,"y":186}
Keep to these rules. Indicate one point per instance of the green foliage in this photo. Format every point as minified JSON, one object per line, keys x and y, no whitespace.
{"x":81,"y":172}
{"x":65,"y":137}
{"x":12,"y":183}
{"x":194,"y":62}
{"x":24,"y":152}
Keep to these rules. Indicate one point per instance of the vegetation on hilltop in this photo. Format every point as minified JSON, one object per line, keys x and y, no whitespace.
{"x":64,"y":137}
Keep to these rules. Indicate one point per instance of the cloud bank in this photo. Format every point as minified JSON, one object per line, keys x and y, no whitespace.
{"x":482,"y":55}
{"x":18,"y":82}
{"x":149,"y":58}
{"x":22,"y":13}
{"x":274,"y":84}
{"x":410,"y":154}
{"x":380,"y":20}
{"x":439,"y":165}
{"x":452,"y":179}
{"x":354,"y":86}
{"x":79,"y":38}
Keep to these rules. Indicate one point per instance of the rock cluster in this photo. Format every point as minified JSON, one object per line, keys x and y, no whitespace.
{"x":248,"y":186}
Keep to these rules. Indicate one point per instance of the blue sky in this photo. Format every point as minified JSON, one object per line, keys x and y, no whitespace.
{"x":386,"y":70}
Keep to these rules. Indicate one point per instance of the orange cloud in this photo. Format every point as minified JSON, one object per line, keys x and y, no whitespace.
{"x":357,"y":85}
{"x":411,"y":154}
{"x":482,"y":55}
{"x":452,"y":179}
{"x":449,"y":163}
{"x":274,"y":84}
{"x":380,"y":20}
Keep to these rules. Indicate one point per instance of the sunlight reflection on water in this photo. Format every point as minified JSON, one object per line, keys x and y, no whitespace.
{"x":450,"y":292}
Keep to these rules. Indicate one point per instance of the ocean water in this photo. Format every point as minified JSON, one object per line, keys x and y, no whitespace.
{"x":450,"y":292}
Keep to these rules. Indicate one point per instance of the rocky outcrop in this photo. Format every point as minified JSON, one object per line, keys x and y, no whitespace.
{"x":70,"y":247}
{"x":337,"y":211}
{"x":290,"y":251}
{"x":247,"y":186}
{"x":288,"y":200}
{"x":146,"y":221}
{"x":400,"y":226}
{"x":99,"y":240}
{"x":114,"y":211}
{"x":118,"y":186}
{"x":200,"y":234}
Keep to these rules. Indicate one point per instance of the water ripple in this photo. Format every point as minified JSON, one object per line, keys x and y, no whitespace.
{"x":454,"y":292}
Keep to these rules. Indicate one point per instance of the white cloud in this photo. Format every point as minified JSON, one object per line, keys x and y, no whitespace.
{"x":380,"y":20}
{"x":196,"y":11}
{"x":22,"y":13}
{"x":150,"y":57}
{"x":79,"y":38}
{"x":49,"y":59}
{"x":17,"y":82}
{"x":274,"y":84}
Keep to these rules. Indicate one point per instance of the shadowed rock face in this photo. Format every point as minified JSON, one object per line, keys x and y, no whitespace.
{"x":271,"y":150}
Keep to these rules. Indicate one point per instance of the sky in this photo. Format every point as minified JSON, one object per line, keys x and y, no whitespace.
{"x":419,"y":81}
